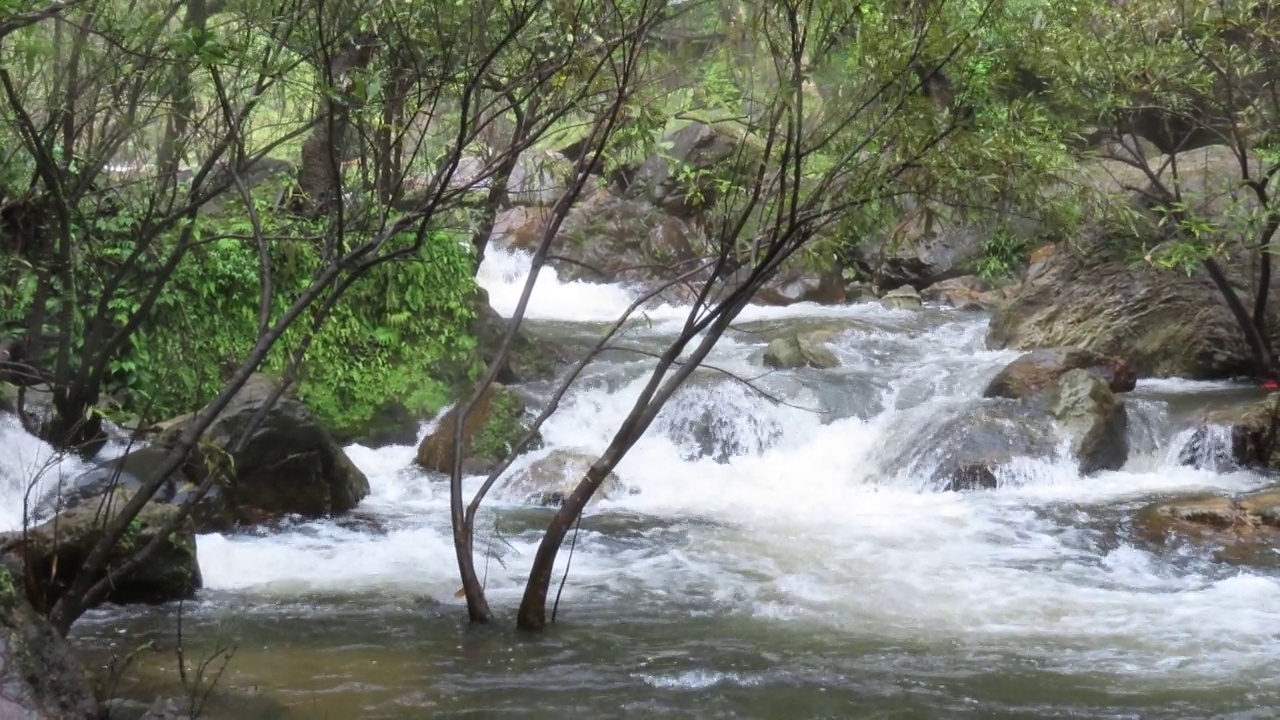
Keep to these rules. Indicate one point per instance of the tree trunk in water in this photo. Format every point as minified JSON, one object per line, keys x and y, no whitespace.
{"x":533,"y":606}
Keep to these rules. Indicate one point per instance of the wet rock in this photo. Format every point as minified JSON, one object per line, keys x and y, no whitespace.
{"x":489,"y":433}
{"x":531,"y":358}
{"x":549,"y":480}
{"x":1250,"y":433}
{"x":970,"y":447}
{"x":903,"y":298}
{"x":56,"y":550}
{"x":40,"y":677}
{"x":518,"y":227}
{"x":797,"y":351}
{"x":1243,"y":531}
{"x":1093,"y":418}
{"x":711,"y":417}
{"x":967,"y":292}
{"x":290,"y":465}
{"x":390,"y":424}
{"x":1033,"y":372}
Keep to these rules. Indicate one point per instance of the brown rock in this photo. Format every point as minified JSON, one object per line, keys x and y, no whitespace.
{"x":489,"y":433}
{"x":1038,"y":369}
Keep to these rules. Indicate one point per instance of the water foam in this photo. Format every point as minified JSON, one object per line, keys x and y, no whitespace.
{"x":800,"y":530}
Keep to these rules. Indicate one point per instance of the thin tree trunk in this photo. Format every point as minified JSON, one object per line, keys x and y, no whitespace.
{"x":1261,"y":351}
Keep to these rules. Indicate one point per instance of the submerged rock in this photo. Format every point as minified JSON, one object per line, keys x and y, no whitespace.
{"x":969,"y":448}
{"x":975,"y":447}
{"x":40,"y":677}
{"x":496,"y":422}
{"x":797,"y":351}
{"x":549,"y":480}
{"x":289,"y":466}
{"x":56,"y":550}
{"x":1243,"y":530}
{"x":903,"y":298}
{"x":1251,"y":434}
{"x":1037,"y":370}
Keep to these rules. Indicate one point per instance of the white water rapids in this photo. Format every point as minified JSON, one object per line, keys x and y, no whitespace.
{"x":805,"y":529}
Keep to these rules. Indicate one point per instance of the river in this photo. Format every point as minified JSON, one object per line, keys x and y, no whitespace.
{"x":813,"y":573}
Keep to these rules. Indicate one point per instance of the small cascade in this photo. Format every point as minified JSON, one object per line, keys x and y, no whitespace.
{"x":1207,"y":447}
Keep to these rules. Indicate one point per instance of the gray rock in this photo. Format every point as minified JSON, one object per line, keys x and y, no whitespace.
{"x":1093,"y":418}
{"x":795,"y":351}
{"x":903,"y":298}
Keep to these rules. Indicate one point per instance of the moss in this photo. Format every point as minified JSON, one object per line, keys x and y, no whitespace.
{"x":503,"y":427}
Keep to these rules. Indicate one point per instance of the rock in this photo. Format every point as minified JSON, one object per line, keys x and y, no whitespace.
{"x":606,"y":238}
{"x":289,"y":466}
{"x":1241,"y":437}
{"x":796,"y":351}
{"x":530,"y":358}
{"x":495,"y":424}
{"x":40,"y":677}
{"x":57,"y":549}
{"x":927,"y":255}
{"x":538,"y":178}
{"x":1195,"y":514}
{"x":1033,"y":372}
{"x":1093,"y":418}
{"x":968,"y":447}
{"x":1097,"y":296}
{"x":794,"y":284}
{"x":549,"y":480}
{"x":967,"y":292}
{"x":903,"y":298}
{"x":683,"y":179}
{"x":711,"y":417}
{"x":518,"y":227}
{"x":1242,"y":531}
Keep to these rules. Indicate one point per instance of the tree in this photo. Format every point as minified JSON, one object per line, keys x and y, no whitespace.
{"x":789,"y":188}
{"x":1194,"y":77}
{"x":114,"y":246}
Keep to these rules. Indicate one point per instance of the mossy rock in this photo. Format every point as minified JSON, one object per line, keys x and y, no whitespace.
{"x":40,"y":676}
{"x":56,"y":550}
{"x":489,"y":433}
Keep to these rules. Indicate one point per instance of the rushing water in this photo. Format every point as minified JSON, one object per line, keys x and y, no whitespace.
{"x":807,"y":576}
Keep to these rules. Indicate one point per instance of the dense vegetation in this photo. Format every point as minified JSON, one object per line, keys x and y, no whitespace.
{"x":193,"y":191}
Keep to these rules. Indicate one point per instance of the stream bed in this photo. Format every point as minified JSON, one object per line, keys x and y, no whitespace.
{"x":769,"y":560}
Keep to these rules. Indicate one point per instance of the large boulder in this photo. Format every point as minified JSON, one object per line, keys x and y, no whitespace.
{"x":1094,"y":421}
{"x":924,"y":253}
{"x":495,"y":424}
{"x":1035,"y":371}
{"x":40,"y":677}
{"x":538,"y":178}
{"x":1247,"y":436}
{"x":968,"y":447}
{"x":289,"y":466}
{"x":967,"y":292}
{"x":975,"y":446}
{"x":606,"y":238}
{"x":1106,"y":293}
{"x":550,"y":479}
{"x":683,"y":179}
{"x":55,"y":551}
